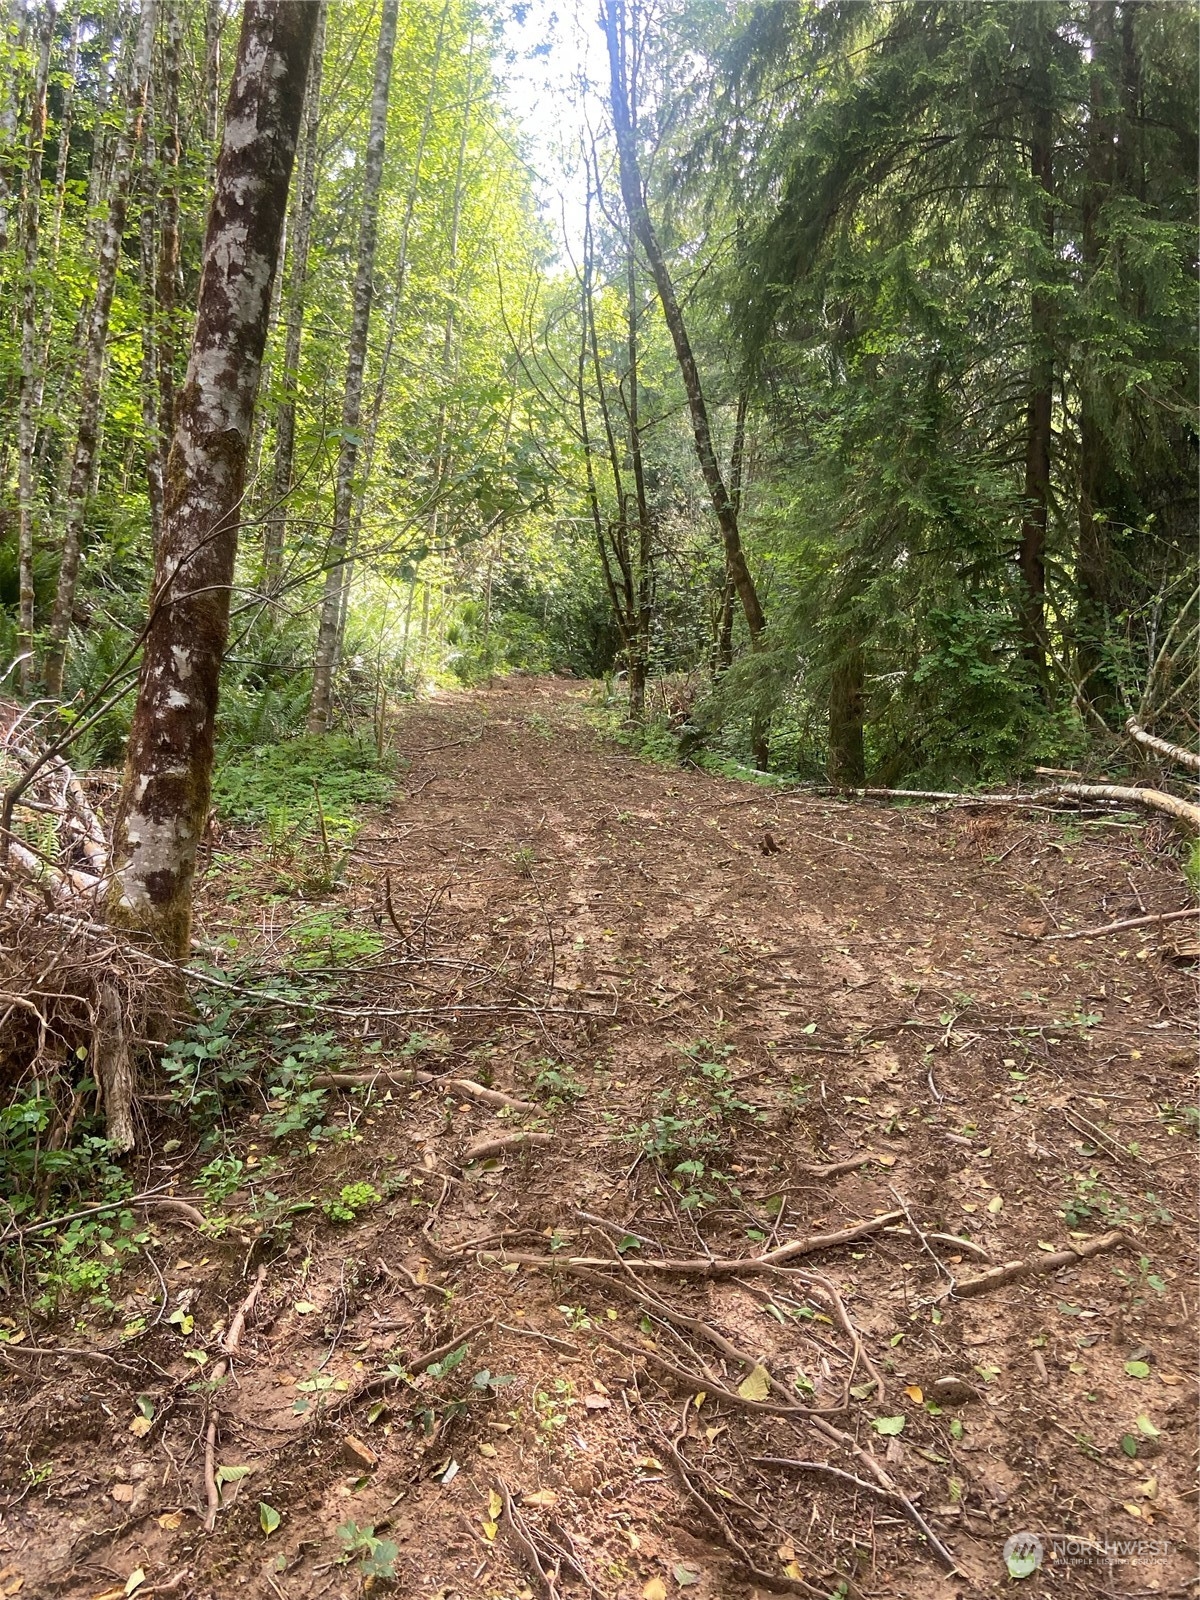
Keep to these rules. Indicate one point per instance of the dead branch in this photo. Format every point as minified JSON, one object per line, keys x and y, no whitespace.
{"x":1162,"y":747}
{"x":724,"y":1267}
{"x":405,"y":1078}
{"x":1039,"y":1265}
{"x":1183,"y":812}
{"x":229,"y":1344}
{"x":1123,"y":925}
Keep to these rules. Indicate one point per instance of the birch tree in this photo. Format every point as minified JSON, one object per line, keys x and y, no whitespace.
{"x":168,"y":769}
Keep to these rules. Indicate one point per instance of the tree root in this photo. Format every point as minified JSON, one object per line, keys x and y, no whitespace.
{"x":1037,"y":1266}
{"x":490,"y":1146}
{"x":229,"y":1344}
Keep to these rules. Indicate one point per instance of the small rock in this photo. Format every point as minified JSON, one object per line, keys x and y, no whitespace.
{"x":358,"y":1455}
{"x":953,"y":1391}
{"x":1142,"y":1353}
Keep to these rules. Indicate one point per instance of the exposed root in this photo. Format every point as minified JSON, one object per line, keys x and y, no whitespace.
{"x":1037,"y":1266}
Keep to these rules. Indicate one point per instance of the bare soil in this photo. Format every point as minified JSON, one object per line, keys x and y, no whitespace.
{"x":710,"y":991}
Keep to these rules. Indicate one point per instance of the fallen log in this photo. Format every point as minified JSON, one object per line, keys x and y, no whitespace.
{"x":1162,"y":747}
{"x":1181,"y":811}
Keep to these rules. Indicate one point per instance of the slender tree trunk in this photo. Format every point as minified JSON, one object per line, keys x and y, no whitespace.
{"x":65,"y":122}
{"x":16,"y":23}
{"x":321,"y":706}
{"x":151,"y":418}
{"x":639,"y":217}
{"x":168,"y":770}
{"x":737,"y":457}
{"x":27,"y":401}
{"x":639,"y":665}
{"x":847,"y":762}
{"x":214,"y":22}
{"x":275,"y":526}
{"x":1039,"y":413}
{"x":167,"y":288}
{"x":88,"y":424}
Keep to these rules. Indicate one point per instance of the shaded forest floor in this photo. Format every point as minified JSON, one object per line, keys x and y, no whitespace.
{"x":707,"y":992}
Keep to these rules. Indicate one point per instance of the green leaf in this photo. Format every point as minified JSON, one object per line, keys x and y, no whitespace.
{"x":889,"y":1425}
{"x":268,"y":1518}
{"x":1138,"y":1369}
{"x":686,"y":1575}
{"x":447,"y":1364}
{"x":1146,"y":1427}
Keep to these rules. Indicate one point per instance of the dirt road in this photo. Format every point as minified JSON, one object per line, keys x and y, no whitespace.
{"x":735,"y":1022}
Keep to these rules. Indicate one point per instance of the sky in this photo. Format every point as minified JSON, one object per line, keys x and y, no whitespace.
{"x":555,"y":61}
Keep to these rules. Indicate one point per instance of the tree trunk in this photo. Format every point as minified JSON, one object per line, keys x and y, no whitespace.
{"x":1093,"y":557}
{"x":1039,"y":411}
{"x":27,"y":401}
{"x":847,"y":763}
{"x":151,"y":416}
{"x":639,"y":665}
{"x":168,"y":770}
{"x":168,"y":283}
{"x":15,"y":24}
{"x":321,"y":706}
{"x":275,"y":525}
{"x":643,"y":227}
{"x":91,"y":375}
{"x":724,"y":641}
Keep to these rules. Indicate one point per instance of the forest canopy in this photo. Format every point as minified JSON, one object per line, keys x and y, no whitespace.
{"x":934,"y":269}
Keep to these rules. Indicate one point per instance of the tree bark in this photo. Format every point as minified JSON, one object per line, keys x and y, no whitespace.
{"x":847,"y":762}
{"x":168,"y":770}
{"x":28,"y":396}
{"x":643,"y":227}
{"x":275,"y":525}
{"x":321,"y":706}
{"x":151,"y":413}
{"x":1039,"y":412}
{"x":93,"y":353}
{"x":168,"y":282}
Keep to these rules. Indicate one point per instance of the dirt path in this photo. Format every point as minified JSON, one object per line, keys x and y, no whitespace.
{"x":708,"y":992}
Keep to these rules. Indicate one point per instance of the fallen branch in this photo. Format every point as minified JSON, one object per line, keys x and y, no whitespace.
{"x":1123,"y":925}
{"x":488,"y":1146}
{"x":466,"y":1087}
{"x":1182,"y":811}
{"x":723,"y":1267}
{"x":1039,"y":1265}
{"x":1162,"y":747}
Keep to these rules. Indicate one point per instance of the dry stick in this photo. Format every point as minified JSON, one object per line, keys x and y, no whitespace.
{"x":1037,"y":1266}
{"x":1173,"y":752}
{"x":1120,"y":927}
{"x":515,"y":1525}
{"x":230,"y":1342}
{"x":1110,"y":793}
{"x":727,"y":1267}
{"x":407,"y":1077}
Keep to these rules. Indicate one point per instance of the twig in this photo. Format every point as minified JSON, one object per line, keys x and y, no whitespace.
{"x":918,"y":1234}
{"x":406,"y":1077}
{"x":229,"y":1344}
{"x":546,"y":1338}
{"x":893,"y":1495}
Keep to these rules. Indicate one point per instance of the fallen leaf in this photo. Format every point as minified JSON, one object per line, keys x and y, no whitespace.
{"x":1149,"y":1488}
{"x":915,"y":1394}
{"x":650,"y":1463}
{"x":995,"y":1205}
{"x":268,"y":1518}
{"x":685,"y":1575}
{"x":488,"y":1451}
{"x":134,"y":1581}
{"x":888,"y":1426}
{"x":169,"y":1520}
{"x":756,"y":1385}
{"x":1170,"y":1377}
{"x":1137,"y":1369}
{"x":792,"y":1569}
{"x":597,"y":1402}
{"x":544,"y":1498}
{"x":1134,"y":1511}
{"x":122,"y":1493}
{"x":886,"y":1161}
{"x":140,"y":1426}
{"x":656,"y":1589}
{"x":490,"y":1530}
{"x":1147,"y":1427}
{"x":304,"y":1307}
{"x":15,"y":1580}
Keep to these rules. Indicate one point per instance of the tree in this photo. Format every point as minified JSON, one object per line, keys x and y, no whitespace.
{"x":168,"y":769}
{"x":364,"y":284}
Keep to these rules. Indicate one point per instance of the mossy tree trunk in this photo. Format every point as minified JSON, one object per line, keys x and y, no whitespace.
{"x":168,"y":770}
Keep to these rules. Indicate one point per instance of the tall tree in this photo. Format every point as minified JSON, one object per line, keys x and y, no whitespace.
{"x":168,"y":768}
{"x":84,"y":460}
{"x":321,"y":707}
